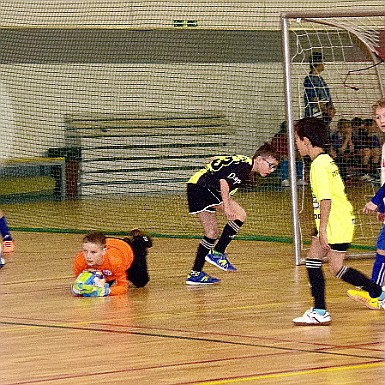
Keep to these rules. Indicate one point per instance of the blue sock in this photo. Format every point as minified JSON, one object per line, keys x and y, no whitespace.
{"x":378,"y":270}
{"x":321,"y":311}
{"x":4,"y":230}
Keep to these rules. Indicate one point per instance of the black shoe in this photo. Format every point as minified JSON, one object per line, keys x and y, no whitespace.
{"x":140,"y":237}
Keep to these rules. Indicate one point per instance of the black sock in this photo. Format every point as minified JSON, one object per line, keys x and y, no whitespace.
{"x":138,"y":272}
{"x":229,"y":232}
{"x":356,"y":278}
{"x":317,"y":282}
{"x":205,"y":245}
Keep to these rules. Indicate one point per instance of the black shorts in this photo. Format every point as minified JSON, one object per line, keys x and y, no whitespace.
{"x":334,"y":246}
{"x":201,"y":198}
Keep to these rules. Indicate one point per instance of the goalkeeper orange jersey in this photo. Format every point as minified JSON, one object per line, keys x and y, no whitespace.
{"x":117,"y":259}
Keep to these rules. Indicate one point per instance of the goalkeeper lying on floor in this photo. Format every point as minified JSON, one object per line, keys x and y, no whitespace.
{"x":105,"y":265}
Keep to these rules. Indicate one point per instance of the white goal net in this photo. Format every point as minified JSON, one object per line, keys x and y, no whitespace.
{"x":350,"y":47}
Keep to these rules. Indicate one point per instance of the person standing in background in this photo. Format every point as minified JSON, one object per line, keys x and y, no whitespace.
{"x":317,"y":97}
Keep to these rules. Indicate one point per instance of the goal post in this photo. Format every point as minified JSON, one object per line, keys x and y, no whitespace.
{"x":352,"y":47}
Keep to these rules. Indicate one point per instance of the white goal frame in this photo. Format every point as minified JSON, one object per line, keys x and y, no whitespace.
{"x":315,"y":17}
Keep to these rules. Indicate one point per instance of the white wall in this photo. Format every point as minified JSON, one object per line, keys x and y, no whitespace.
{"x":40,"y":101}
{"x":236,"y":14}
{"x":35,"y":97}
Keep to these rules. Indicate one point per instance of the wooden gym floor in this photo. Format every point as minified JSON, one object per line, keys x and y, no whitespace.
{"x":238,"y":332}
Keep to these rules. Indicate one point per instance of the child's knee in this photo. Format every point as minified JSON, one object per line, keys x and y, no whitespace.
{"x":242,"y":215}
{"x":142,"y":282}
{"x":212,"y":233}
{"x":335,"y":269}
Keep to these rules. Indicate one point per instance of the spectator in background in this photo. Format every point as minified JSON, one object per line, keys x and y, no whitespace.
{"x":342,"y":147}
{"x":280,"y":143}
{"x":362,"y":148}
{"x":317,"y":98}
{"x":375,"y":149}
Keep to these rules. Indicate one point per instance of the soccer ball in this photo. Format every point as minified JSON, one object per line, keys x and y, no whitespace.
{"x":87,"y":281}
{"x":96,"y":278}
{"x":99,"y":279}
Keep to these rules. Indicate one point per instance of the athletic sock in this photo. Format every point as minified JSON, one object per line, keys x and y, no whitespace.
{"x":4,"y":230}
{"x":358,"y":279}
{"x":205,"y":245}
{"x":378,"y":271}
{"x":229,"y":232}
{"x":317,"y":282}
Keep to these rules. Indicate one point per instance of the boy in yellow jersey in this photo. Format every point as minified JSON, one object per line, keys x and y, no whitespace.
{"x":211,"y":189}
{"x":334,"y":219}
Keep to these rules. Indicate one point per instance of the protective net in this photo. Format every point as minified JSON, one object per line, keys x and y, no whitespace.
{"x":107,"y":109}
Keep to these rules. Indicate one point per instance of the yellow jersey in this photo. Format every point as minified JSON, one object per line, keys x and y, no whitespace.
{"x":326,"y":184}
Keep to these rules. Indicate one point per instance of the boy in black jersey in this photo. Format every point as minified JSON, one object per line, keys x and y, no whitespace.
{"x":211,"y":189}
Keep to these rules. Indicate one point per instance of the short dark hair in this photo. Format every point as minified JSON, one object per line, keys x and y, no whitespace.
{"x":343,"y":122}
{"x":95,"y":237}
{"x":315,"y":58}
{"x":357,"y":122}
{"x":283,"y":127}
{"x":266,"y":150}
{"x":312,"y":128}
{"x":368,"y":122}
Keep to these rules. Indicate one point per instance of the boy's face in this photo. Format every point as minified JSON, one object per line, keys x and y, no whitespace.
{"x":93,"y":253}
{"x":320,"y":67}
{"x":347,"y":130}
{"x":265,"y":165}
{"x":300,"y":143}
{"x":379,"y":118}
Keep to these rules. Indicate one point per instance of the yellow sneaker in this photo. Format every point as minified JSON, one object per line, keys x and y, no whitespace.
{"x":363,"y":297}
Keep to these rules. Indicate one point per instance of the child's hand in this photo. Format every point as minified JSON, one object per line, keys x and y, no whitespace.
{"x":323,"y":240}
{"x":370,"y":207}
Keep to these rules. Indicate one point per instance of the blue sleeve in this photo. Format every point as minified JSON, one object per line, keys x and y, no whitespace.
{"x":378,"y":199}
{"x":309,"y":88}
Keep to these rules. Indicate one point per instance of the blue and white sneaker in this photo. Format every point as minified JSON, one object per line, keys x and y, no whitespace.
{"x":201,"y":278}
{"x":219,"y":260}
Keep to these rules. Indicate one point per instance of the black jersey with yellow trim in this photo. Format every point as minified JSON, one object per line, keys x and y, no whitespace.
{"x":234,"y":169}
